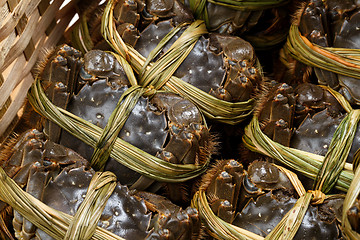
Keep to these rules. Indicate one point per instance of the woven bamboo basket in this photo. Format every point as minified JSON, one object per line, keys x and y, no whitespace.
{"x":27,"y":29}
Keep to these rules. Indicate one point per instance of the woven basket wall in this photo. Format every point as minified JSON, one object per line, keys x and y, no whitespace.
{"x":27,"y":29}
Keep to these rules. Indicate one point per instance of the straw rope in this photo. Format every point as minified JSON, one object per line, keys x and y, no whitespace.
{"x":342,"y":61}
{"x":89,"y":212}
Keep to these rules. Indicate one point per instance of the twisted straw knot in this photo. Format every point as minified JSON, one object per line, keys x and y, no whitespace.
{"x":149,"y":91}
{"x":318,"y":197}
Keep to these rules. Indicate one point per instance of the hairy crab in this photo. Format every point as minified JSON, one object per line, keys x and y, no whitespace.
{"x":312,"y":129}
{"x":60,"y":177}
{"x":257,"y":199}
{"x":162,"y":124}
{"x":328,"y":26}
{"x":304,"y":118}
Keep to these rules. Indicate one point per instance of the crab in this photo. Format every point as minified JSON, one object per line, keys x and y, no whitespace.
{"x":334,"y":24}
{"x":59,"y":177}
{"x":304,"y":118}
{"x":257,"y":199}
{"x":164,"y":125}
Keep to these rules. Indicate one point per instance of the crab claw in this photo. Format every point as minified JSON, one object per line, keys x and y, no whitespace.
{"x":223,"y":185}
{"x":60,"y":79}
{"x":277,"y":113}
{"x":170,"y":222}
{"x":37,"y":179}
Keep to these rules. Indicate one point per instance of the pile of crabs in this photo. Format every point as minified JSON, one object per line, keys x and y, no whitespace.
{"x":203,"y":116}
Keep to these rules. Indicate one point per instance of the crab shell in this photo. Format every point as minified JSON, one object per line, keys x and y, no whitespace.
{"x":267,"y":195}
{"x":225,"y":65}
{"x":59,"y":177}
{"x":333,"y":23}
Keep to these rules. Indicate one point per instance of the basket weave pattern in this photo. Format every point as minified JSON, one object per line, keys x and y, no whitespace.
{"x":27,"y":28}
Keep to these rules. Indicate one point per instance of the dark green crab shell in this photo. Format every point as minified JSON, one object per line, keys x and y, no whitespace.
{"x":225,"y":65}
